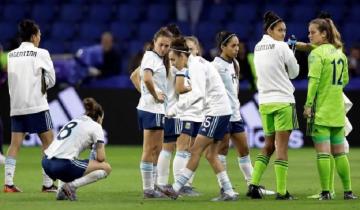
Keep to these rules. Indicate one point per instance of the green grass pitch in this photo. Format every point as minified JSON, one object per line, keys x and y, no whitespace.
{"x":122,"y":189}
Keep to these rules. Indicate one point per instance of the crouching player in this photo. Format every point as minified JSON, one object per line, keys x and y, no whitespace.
{"x":61,"y":158}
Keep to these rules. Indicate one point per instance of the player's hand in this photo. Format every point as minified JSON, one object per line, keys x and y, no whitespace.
{"x":160,"y":97}
{"x":307,"y":112}
{"x":292,"y":41}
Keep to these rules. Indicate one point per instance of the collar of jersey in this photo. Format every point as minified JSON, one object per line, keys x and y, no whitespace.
{"x":26,"y":44}
{"x":156,"y":54}
{"x":223,"y":59}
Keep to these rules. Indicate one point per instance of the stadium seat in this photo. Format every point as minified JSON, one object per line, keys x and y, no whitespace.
{"x":14,"y":12}
{"x":300,"y":30}
{"x":245,"y":13}
{"x":336,"y":11}
{"x":121,"y":30}
{"x":76,"y":45}
{"x":158,"y":12}
{"x":277,"y":8}
{"x":135,"y":47}
{"x":128,"y":13}
{"x":8,"y":31}
{"x":71,"y":12}
{"x":43,"y":12}
{"x":63,"y":31}
{"x":146,"y":30}
{"x":184,"y":28}
{"x":90,"y":31}
{"x":100,"y":13}
{"x":355,"y":13}
{"x":241,"y":29}
{"x":217,"y":13}
{"x":54,"y":46}
{"x":303,"y":13}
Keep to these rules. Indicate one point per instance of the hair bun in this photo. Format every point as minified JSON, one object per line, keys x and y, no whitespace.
{"x":270,"y":15}
{"x":89,"y":104}
{"x":324,"y":15}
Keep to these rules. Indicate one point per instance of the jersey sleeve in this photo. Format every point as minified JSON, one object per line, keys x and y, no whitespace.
{"x":45,"y":64}
{"x":315,"y":64}
{"x":346,"y":72}
{"x":290,"y":62}
{"x":148,"y":62}
{"x":98,"y":135}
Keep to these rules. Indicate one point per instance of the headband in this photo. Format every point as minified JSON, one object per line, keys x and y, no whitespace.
{"x":227,"y":38}
{"x":277,"y":20}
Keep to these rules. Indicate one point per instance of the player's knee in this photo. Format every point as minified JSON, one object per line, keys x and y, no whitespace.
{"x":107,"y":168}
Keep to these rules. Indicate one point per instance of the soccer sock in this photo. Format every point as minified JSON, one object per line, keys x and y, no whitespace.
{"x":146,"y":169}
{"x":89,"y":178}
{"x":259,"y":168}
{"x":163,"y":167}
{"x":10,"y":164}
{"x":332,"y":174}
{"x":47,"y":181}
{"x":343,"y":169}
{"x":182,"y":179}
{"x":190,"y":181}
{"x":281,"y":169}
{"x":179,"y":163}
{"x":323,"y":165}
{"x":154,"y":174}
{"x":246,"y":167}
{"x":222,"y":159}
{"x":60,"y":184}
{"x":225,"y":183}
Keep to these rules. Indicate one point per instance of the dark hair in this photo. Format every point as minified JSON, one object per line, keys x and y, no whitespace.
{"x":27,"y":28}
{"x":324,"y":15}
{"x":332,"y":34}
{"x":92,"y":108}
{"x":174,"y":29}
{"x":270,"y":20}
{"x":178,"y":46}
{"x":223,"y":38}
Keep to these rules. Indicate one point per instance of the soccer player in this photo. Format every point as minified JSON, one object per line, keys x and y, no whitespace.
{"x":275,"y":65}
{"x":61,"y":157}
{"x":324,"y":108}
{"x":229,"y":70}
{"x":151,"y":108}
{"x":30,"y":74}
{"x":217,"y":113}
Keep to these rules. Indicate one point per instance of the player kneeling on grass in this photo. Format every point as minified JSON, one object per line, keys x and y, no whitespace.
{"x":61,"y":158}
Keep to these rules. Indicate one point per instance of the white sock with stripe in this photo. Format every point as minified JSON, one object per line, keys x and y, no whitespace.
{"x":163,"y":169}
{"x":179,"y":163}
{"x":10,"y":165}
{"x":146,"y":169}
{"x":182,"y":179}
{"x":246,"y":168}
{"x":225,"y":183}
{"x":89,"y":178}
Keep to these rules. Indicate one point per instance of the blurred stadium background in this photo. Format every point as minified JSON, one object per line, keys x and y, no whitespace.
{"x":70,"y":25}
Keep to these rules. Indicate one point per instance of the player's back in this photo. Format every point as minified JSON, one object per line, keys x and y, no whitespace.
{"x":329,"y":65}
{"x":77,"y":135}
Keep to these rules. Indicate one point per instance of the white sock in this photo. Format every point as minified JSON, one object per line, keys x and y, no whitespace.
{"x":182,"y":179}
{"x":179,"y":163}
{"x":47,"y":181}
{"x":89,"y":178}
{"x":189,"y":183}
{"x":222,"y":159}
{"x":163,"y":170}
{"x":154,"y":174}
{"x":246,"y":168}
{"x":146,"y":169}
{"x":225,"y":183}
{"x":10,"y":165}
{"x":60,"y":184}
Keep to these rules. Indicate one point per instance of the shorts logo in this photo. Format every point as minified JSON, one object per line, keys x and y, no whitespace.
{"x":187,"y":125}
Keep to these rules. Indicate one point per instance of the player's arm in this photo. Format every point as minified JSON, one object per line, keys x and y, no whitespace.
{"x":291,"y":64}
{"x":315,"y":67}
{"x":180,"y":86}
{"x":100,"y":152}
{"x":306,"y":47}
{"x":45,"y":64}
{"x":135,"y":78}
{"x":149,"y":83}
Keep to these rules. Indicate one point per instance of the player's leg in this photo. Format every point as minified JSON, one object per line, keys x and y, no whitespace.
{"x":2,"y":157}
{"x":341,"y":161}
{"x":163,"y":165}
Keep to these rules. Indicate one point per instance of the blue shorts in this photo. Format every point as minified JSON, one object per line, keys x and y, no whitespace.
{"x":32,"y":123}
{"x":172,"y":129}
{"x":236,"y":127}
{"x":215,"y":127}
{"x":150,"y":121}
{"x":64,"y":169}
{"x":190,"y":128}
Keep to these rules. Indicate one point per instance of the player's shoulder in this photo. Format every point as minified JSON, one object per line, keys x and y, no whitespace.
{"x":42,"y":52}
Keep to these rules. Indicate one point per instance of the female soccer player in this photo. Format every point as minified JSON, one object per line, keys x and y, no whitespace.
{"x":151,"y":108}
{"x":61,"y":157}
{"x":275,"y":65}
{"x":217,"y":113}
{"x":324,"y":108}
{"x":30,"y":74}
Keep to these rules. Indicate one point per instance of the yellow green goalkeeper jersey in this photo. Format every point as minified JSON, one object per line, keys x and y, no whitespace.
{"x":329,"y":67}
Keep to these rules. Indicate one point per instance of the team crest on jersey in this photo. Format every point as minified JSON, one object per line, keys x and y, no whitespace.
{"x":187,"y":125}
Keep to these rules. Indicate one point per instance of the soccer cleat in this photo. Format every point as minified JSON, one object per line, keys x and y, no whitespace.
{"x":169,"y":191}
{"x":60,"y":195}
{"x":226,"y":197}
{"x":69,"y":191}
{"x":317,"y":196}
{"x":11,"y":189}
{"x":287,"y":196}
{"x":325,"y":195}
{"x":254,"y":192}
{"x":189,"y":191}
{"x":265,"y":191}
{"x":52,"y":188}
{"x":349,"y":195}
{"x":153,"y":194}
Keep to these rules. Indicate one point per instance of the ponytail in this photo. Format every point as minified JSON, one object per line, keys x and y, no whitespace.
{"x":93,"y":109}
{"x":332,"y":34}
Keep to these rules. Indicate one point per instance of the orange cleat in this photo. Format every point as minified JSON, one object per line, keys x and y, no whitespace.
{"x":11,"y":189}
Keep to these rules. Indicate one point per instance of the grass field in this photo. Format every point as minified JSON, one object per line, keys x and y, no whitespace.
{"x":122,"y":189}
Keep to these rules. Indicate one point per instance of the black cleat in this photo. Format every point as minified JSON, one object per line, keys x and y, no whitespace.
{"x":325,"y":195}
{"x":287,"y":196}
{"x":254,"y":192}
{"x":349,"y":195}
